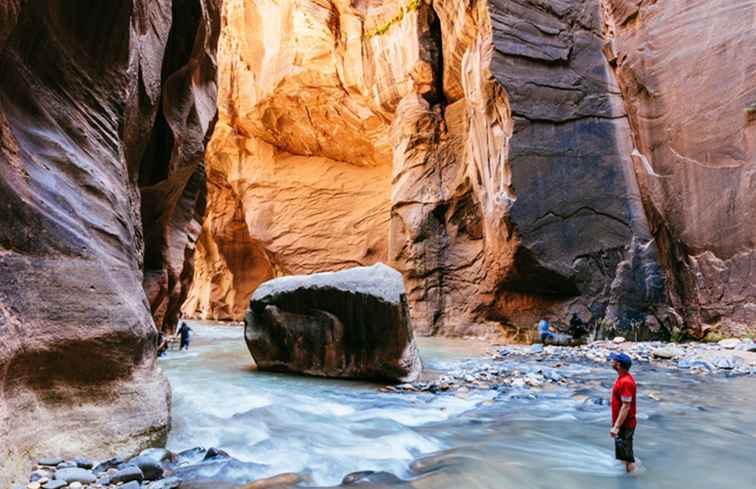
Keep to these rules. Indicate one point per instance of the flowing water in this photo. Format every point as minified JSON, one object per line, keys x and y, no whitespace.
{"x":702,"y":434}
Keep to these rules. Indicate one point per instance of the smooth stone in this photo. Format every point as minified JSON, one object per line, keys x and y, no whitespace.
{"x":151,"y":468}
{"x":167,"y":483}
{"x":667,"y":353}
{"x":536,"y":348}
{"x":75,"y":474}
{"x":66,"y":465}
{"x":34,"y":485}
{"x":278,"y":481}
{"x":75,"y":485}
{"x":213,"y":452}
{"x":370,"y":477}
{"x":131,"y":485}
{"x":158,"y":454}
{"x":54,"y":484}
{"x":127,"y":474}
{"x":618,"y":339}
{"x":107,"y":464}
{"x":50,"y":461}
{"x":729,"y":343}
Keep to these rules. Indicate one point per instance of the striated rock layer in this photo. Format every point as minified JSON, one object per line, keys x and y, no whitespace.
{"x":104,"y":111}
{"x":488,"y":152}
{"x":689,"y":82}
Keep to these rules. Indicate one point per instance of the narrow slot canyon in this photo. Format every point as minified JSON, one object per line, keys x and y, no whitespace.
{"x":394,"y":196}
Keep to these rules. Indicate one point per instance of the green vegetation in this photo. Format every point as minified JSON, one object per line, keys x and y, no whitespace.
{"x":713,"y":337}
{"x":381,"y":29}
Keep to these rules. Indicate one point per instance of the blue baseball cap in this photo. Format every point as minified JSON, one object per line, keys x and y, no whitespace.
{"x":623,"y":359}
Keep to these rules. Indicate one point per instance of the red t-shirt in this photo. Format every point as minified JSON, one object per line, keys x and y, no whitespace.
{"x":624,"y":390}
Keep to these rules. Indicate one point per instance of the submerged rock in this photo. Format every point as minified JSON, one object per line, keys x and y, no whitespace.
{"x":69,"y":475}
{"x":353,"y":324}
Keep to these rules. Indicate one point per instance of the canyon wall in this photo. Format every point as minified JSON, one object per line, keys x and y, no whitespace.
{"x":688,"y":75}
{"x":493,"y":151}
{"x":104,"y":112}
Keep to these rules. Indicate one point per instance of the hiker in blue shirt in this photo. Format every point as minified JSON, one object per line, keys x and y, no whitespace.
{"x":545,"y":331}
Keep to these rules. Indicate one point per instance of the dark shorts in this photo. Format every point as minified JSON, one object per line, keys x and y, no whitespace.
{"x":623,"y":445}
{"x":184,"y":343}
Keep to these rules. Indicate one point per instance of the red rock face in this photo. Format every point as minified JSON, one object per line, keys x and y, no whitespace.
{"x":688,"y":79}
{"x":104,"y":111}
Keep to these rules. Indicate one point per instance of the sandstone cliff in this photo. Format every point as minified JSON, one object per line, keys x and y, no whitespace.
{"x":104,"y":111}
{"x":689,"y":82}
{"x":489,"y":150}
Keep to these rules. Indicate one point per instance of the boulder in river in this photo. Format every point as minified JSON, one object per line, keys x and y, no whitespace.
{"x":353,"y":323}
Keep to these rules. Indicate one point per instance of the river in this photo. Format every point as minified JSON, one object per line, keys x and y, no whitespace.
{"x":701,"y":434}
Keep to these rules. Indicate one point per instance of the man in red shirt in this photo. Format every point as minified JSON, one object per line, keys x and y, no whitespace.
{"x":623,"y":410}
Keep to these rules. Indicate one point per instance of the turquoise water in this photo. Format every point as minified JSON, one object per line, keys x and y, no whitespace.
{"x":702,"y":434}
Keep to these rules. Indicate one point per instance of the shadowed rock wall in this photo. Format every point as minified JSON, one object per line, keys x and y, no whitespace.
{"x":104,"y":109}
{"x":688,"y":77}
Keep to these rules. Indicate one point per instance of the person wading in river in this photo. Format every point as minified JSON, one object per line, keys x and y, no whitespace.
{"x":623,"y":410}
{"x":184,"y":331}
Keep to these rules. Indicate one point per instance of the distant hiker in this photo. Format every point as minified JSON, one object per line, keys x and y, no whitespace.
{"x":184,"y":330}
{"x":623,"y":410}
{"x":162,"y":344}
{"x":545,"y":331}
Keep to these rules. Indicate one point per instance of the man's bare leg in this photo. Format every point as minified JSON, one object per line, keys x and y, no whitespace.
{"x":629,"y":467}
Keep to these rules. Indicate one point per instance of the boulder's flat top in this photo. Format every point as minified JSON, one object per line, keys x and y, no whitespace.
{"x":377,"y":280}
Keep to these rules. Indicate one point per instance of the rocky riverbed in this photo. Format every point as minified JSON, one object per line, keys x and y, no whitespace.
{"x":537,"y":366}
{"x":477,"y":418}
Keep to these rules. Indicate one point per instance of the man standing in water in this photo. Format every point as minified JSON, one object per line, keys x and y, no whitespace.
{"x":623,"y":410}
{"x":184,"y":331}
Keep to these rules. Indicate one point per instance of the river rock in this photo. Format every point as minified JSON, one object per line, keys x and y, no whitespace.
{"x":150,"y":467}
{"x":131,"y":485}
{"x":353,"y":323}
{"x":726,"y":362}
{"x":667,"y":353}
{"x":618,"y":339}
{"x":158,"y":454}
{"x":75,"y":474}
{"x":54,"y":484}
{"x":50,"y":461}
{"x":127,"y":474}
{"x":729,"y":343}
{"x":167,"y":483}
{"x":536,"y":348}
{"x":279,"y":481}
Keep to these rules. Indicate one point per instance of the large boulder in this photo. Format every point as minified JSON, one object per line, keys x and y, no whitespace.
{"x":353,"y":323}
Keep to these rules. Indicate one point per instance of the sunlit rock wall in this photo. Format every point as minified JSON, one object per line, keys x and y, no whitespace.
{"x":485,"y":149}
{"x":688,"y":76}
{"x":104,"y":111}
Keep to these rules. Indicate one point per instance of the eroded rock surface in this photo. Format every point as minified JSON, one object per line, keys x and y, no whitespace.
{"x":353,"y":323}
{"x":104,"y":110}
{"x":688,"y":82}
{"x":514,"y":159}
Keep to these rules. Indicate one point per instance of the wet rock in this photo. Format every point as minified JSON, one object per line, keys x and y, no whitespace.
{"x":536,"y":348}
{"x":370,"y":477}
{"x":66,"y":465}
{"x":277,"y":481}
{"x":127,"y":474}
{"x":158,"y":454}
{"x":726,"y":362}
{"x":107,"y":464}
{"x":213,"y":452}
{"x":131,"y":485}
{"x":75,"y":475}
{"x":84,"y":463}
{"x":191,"y":455}
{"x":151,"y":468}
{"x":167,"y":483}
{"x":353,"y":323}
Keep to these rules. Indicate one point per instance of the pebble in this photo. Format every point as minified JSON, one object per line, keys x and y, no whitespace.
{"x":667,"y":353}
{"x":75,"y":485}
{"x":54,"y":484}
{"x":127,"y":474}
{"x":131,"y":485}
{"x":70,"y":474}
{"x":618,"y":339}
{"x":150,"y":468}
{"x":34,"y":485}
{"x":50,"y":461}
